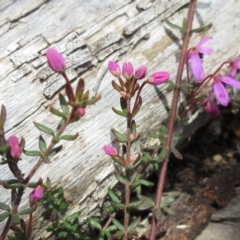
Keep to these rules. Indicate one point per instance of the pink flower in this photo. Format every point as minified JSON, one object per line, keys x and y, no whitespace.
{"x":140,"y":73}
{"x":127,"y":70}
{"x":36,"y":195}
{"x":195,"y":60}
{"x":79,"y":112}
{"x":158,"y":78}
{"x":220,"y":91}
{"x":15,"y":149}
{"x":234,"y":66}
{"x":55,"y":60}
{"x":114,"y":68}
{"x":211,"y":108}
{"x":110,"y":150}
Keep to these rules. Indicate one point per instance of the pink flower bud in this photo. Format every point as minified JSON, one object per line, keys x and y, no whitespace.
{"x":36,"y":195}
{"x":114,"y":69}
{"x":15,"y":149}
{"x":127,"y":70}
{"x":79,"y":112}
{"x":55,"y":60}
{"x":158,"y":78}
{"x":140,"y":73}
{"x":211,"y":108}
{"x":110,"y":150}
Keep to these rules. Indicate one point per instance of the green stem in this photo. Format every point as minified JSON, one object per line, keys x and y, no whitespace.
{"x":171,"y":123}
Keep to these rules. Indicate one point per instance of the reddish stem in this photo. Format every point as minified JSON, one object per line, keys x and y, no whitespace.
{"x":171,"y":124}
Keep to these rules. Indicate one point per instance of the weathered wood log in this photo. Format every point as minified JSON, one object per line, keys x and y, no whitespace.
{"x":89,"y":34}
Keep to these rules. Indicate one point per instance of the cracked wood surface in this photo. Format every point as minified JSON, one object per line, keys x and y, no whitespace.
{"x":89,"y":34}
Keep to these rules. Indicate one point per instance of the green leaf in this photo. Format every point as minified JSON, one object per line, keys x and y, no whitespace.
{"x":3,"y":148}
{"x":184,"y":25}
{"x":118,"y":205}
{"x":4,"y":206}
{"x":111,"y":228}
{"x":118,"y":224}
{"x":3,"y":116}
{"x":171,"y":86}
{"x":141,"y":182}
{"x":113,"y":196}
{"x":133,"y":176}
{"x":185,"y":87}
{"x":56,"y":112}
{"x":120,"y":177}
{"x":172,"y":25}
{"x":133,"y":127}
{"x":119,"y":112}
{"x":32,"y":153}
{"x":69,"y":137}
{"x":4,"y":215}
{"x":116,"y":86}
{"x":133,"y":225}
{"x":158,"y":214}
{"x":63,"y":234}
{"x":27,"y":211}
{"x":63,"y":104}
{"x":137,"y":108}
{"x":56,"y":139}
{"x":120,"y":137}
{"x":176,"y":153}
{"x":67,"y":225}
{"x":123,"y":105}
{"x":63,"y":206}
{"x":135,"y":204}
{"x":42,"y":144}
{"x":201,"y":29}
{"x":80,"y":89}
{"x":163,"y":154}
{"x":43,"y":128}
{"x":73,"y":216}
{"x":46,"y":159}
{"x":16,"y":219}
{"x":94,"y":223}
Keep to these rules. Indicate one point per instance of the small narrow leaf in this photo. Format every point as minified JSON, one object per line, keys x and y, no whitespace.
{"x":120,"y":177}
{"x":123,"y":104}
{"x":63,"y":104}
{"x":56,"y":112}
{"x":32,"y":153}
{"x":171,"y":86}
{"x":4,"y":206}
{"x":118,"y":205}
{"x":111,"y":228}
{"x":113,"y":196}
{"x":137,"y":107}
{"x":176,"y":153}
{"x":43,"y":128}
{"x":141,"y":182}
{"x":3,"y":116}
{"x":46,"y":159}
{"x":55,"y":150}
{"x":118,"y":224}
{"x":120,"y":137}
{"x":172,"y":25}
{"x":27,"y":211}
{"x":133,"y":176}
{"x":80,"y":89}
{"x":94,"y":223}
{"x":158,"y":214}
{"x":3,"y":148}
{"x":69,"y":137}
{"x":73,"y":216}
{"x":163,"y":154}
{"x":16,"y":219}
{"x":119,"y":112}
{"x":42,"y":144}
{"x":202,"y":29}
{"x":116,"y":86}
{"x":134,"y":224}
{"x":4,"y":215}
{"x":133,"y":127}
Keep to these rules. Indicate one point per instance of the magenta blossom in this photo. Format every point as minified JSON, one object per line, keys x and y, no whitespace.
{"x":158,"y":78}
{"x":36,"y":195}
{"x":140,"y":73}
{"x":195,"y":60}
{"x":127,"y":70}
{"x":234,"y":66}
{"x":220,"y":91}
{"x":15,"y":149}
{"x":110,"y":150}
{"x":79,"y":112}
{"x":114,"y":68}
{"x":55,"y":60}
{"x":211,"y":108}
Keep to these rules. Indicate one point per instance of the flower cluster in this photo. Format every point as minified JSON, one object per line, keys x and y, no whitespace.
{"x":220,"y":82}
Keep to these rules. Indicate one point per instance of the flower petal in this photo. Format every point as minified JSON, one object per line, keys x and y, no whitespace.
{"x":205,"y":50}
{"x":231,"y":81}
{"x":197,"y":67}
{"x":203,"y":41}
{"x":221,"y":93}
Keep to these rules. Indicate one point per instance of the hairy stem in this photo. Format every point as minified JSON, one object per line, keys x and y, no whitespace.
{"x":171,"y":123}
